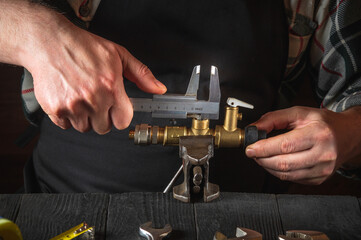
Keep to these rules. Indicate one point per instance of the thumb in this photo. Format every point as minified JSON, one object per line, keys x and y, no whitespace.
{"x":139,"y":73}
{"x":281,"y":119}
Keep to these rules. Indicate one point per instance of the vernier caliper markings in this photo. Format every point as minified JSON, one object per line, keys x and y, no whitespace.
{"x":184,"y":106}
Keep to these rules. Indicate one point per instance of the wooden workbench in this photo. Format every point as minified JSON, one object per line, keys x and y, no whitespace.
{"x":118,"y":216}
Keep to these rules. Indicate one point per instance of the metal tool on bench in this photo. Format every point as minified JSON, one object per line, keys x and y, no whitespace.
{"x":303,"y":235}
{"x":83,"y":231}
{"x":146,"y":230}
{"x":10,"y":231}
{"x":174,"y":106}
{"x":241,"y":234}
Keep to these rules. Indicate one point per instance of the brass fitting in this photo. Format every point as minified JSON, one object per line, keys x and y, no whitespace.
{"x":227,"y":135}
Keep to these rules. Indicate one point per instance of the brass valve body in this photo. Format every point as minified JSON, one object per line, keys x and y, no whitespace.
{"x":225,"y":136}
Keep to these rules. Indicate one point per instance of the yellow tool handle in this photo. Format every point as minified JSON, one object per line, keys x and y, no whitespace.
{"x":9,"y":230}
{"x":74,"y":232}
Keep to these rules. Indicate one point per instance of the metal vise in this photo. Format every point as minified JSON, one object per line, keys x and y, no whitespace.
{"x":196,"y":144}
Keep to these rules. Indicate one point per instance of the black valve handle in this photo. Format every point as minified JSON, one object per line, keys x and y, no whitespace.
{"x":252,"y":135}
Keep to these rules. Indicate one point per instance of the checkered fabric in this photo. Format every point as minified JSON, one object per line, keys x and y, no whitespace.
{"x":325,"y":38}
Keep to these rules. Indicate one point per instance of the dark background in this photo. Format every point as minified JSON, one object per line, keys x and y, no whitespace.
{"x":12,"y":125}
{"x":13,"y":158}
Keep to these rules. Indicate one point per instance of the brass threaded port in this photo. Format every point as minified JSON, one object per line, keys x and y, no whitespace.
{"x":231,"y":118}
{"x":131,"y":134}
{"x":239,"y":116}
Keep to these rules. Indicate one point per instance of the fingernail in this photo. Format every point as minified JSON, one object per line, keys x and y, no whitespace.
{"x":250,"y":152}
{"x":160,"y":85}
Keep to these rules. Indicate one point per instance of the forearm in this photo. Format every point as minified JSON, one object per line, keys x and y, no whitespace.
{"x":21,"y":25}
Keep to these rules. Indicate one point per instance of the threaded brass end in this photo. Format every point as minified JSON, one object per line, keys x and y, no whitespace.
{"x":131,"y":134}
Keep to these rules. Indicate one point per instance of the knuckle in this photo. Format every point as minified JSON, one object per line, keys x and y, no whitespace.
{"x":88,"y":96}
{"x":81,"y":127}
{"x":72,"y":105}
{"x":287,"y":146}
{"x":266,"y":115}
{"x":318,"y":181}
{"x":263,"y":151}
{"x":326,"y":172}
{"x":108,"y":51}
{"x":330,"y":156}
{"x":143,"y":70}
{"x":121,"y":49}
{"x":284,"y":176}
{"x":101,"y":131}
{"x":107,"y":83}
{"x":124,"y":123}
{"x":283,"y":166}
{"x":325,"y":135}
{"x":58,"y":112}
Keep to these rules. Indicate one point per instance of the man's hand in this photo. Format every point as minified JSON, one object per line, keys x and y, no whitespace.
{"x":78,"y":76}
{"x":319,"y":142}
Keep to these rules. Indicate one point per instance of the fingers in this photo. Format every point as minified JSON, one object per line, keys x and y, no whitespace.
{"x":121,"y":113}
{"x":80,"y":123}
{"x":101,"y":122}
{"x":312,"y":176}
{"x":140,"y":74}
{"x":288,"y":162}
{"x":281,"y":119}
{"x":94,"y":97}
{"x":293,"y":141}
{"x":60,"y":122}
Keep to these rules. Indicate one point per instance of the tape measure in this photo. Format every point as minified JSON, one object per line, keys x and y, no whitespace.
{"x":76,"y":231}
{"x":9,"y":230}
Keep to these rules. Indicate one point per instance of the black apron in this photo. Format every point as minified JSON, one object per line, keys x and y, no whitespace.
{"x":246,"y":40}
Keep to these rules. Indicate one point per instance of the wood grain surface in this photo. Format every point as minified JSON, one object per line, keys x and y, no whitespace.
{"x":43,"y":216}
{"x":129,"y":210}
{"x":337,"y":216}
{"x":118,"y":216}
{"x":254,"y":211}
{"x":9,"y":206}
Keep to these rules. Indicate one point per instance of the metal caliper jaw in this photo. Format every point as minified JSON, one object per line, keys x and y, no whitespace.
{"x":181,"y":106}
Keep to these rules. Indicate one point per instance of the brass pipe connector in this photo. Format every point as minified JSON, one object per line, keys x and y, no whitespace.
{"x":227,"y":135}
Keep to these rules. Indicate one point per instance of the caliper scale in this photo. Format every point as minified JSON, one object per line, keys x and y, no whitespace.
{"x":184,"y":106}
{"x":196,"y":144}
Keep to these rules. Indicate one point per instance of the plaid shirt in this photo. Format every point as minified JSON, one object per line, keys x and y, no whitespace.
{"x":324,"y":37}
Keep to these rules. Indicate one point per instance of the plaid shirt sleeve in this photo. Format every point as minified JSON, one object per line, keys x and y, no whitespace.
{"x":333,"y":51}
{"x":326,"y":34}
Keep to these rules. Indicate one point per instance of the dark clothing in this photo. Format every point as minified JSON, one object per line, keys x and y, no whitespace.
{"x":246,"y":42}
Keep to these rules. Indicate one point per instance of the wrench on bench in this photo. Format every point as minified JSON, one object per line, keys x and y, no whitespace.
{"x":303,"y":235}
{"x":146,"y":230}
{"x":241,"y":234}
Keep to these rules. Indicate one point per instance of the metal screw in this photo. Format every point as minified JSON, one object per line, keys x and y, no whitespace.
{"x":84,"y":10}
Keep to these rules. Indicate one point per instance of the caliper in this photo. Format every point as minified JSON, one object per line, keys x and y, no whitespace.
{"x":196,"y":143}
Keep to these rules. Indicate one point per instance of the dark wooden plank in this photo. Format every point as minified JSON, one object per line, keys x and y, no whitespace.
{"x":255,"y":211}
{"x":128,"y":211}
{"x":43,"y":216}
{"x":337,"y":216}
{"x":9,"y":206}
